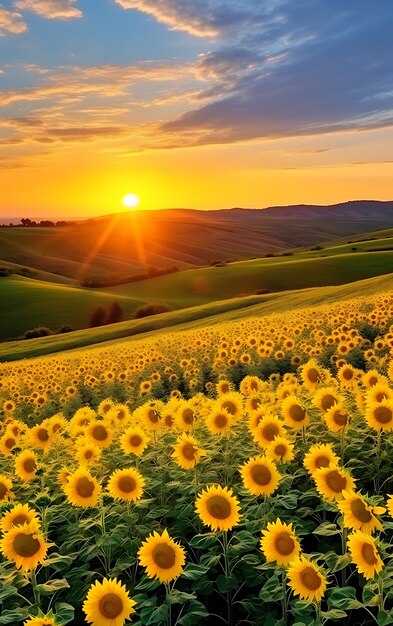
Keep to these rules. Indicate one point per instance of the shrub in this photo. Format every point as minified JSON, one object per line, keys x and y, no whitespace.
{"x":5,"y":271}
{"x":151,"y":309}
{"x":98,"y":317}
{"x":65,"y":328}
{"x":40,"y":331}
{"x":115,"y":313}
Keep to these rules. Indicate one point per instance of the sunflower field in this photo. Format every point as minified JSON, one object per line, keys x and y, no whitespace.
{"x":238,"y":473}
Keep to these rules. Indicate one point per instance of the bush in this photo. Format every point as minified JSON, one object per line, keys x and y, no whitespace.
{"x":5,"y":271}
{"x":98,"y":317}
{"x":41,"y":331}
{"x":151,"y":309}
{"x":65,"y":328}
{"x":115,"y":313}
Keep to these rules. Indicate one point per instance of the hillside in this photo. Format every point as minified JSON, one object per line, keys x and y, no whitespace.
{"x":124,"y":244}
{"x":194,"y":317}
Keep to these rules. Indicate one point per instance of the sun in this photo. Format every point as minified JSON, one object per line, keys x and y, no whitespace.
{"x":130,"y":200}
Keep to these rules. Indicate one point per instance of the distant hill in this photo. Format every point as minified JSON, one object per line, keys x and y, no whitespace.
{"x":127,"y":243}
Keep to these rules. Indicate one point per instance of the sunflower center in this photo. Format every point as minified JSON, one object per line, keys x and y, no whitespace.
{"x":340,"y":418}
{"x":381,"y":395}
{"x":221,"y":420}
{"x":218,"y":507}
{"x":189,"y":451}
{"x":153,"y":416}
{"x":20,"y":519}
{"x":135,"y":440}
{"x":270,"y":431}
{"x":348,"y":374}
{"x":29,"y":466}
{"x":26,"y":545}
{"x":188,"y":416}
{"x":225,"y":387}
{"x":383,"y":415}
{"x":84,"y":487}
{"x":164,"y":556}
{"x":322,"y":461}
{"x":313,"y":375}
{"x":373,"y":381}
{"x":280,"y":449}
{"x":336,"y":482}
{"x":88,"y":454}
{"x":310,"y":578}
{"x":3,"y":490}
{"x":359,"y":510}
{"x":100,"y":433}
{"x":111,"y":606}
{"x":328,"y":401}
{"x":229,"y":406}
{"x":42,"y":434}
{"x":261,"y":475}
{"x":284,"y":544}
{"x":126,"y":484}
{"x":297,"y":413}
{"x":56,"y":427}
{"x":368,"y":554}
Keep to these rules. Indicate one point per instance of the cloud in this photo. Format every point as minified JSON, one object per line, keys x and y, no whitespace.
{"x":51,"y":9}
{"x":202,"y":18}
{"x":302,"y":68}
{"x":11,"y":22}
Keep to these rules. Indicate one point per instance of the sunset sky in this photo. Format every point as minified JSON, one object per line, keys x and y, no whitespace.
{"x":193,"y":103}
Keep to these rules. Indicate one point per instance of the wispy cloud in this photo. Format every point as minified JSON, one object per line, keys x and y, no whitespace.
{"x":51,"y":9}
{"x":11,"y":22}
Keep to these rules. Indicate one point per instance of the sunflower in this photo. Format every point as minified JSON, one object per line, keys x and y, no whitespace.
{"x":162,"y":557}
{"x":99,"y":434}
{"x":63,"y":476}
{"x":379,"y":415}
{"x":40,"y":437}
{"x":40,"y":621}
{"x":232,"y":403}
{"x":281,"y":450}
{"x":87,"y":453}
{"x":134,"y":440}
{"x":150,"y":416}
{"x":378,"y":392}
{"x":325,"y":398}
{"x":187,"y":452}
{"x":218,"y":508}
{"x":126,"y":484}
{"x":268,"y":428}
{"x":26,"y":465}
{"x":185,"y":416}
{"x":25,"y":546}
{"x":260,"y":476}
{"x":279,"y":543}
{"x":219,"y":422}
{"x":5,"y":488}
{"x":320,"y":455}
{"x":20,"y":514}
{"x":82,"y":489}
{"x":336,"y":418}
{"x":364,"y":554}
{"x":312,"y":374}
{"x":306,"y":580}
{"x":7,"y":442}
{"x":294,"y":413}
{"x":358,"y":515}
{"x":347,"y":375}
{"x":332,"y":481}
{"x":389,"y":505}
{"x":108,"y":603}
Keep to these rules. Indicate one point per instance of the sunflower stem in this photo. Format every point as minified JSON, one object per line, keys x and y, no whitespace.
{"x":343,"y":551}
{"x":317,"y":613}
{"x":284,"y":600}
{"x":377,"y":478}
{"x":168,"y":602}
{"x":342,"y":446}
{"x":227,"y":574}
{"x":36,"y":593}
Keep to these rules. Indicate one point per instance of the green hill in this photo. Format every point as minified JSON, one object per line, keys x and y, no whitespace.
{"x":214,"y":313}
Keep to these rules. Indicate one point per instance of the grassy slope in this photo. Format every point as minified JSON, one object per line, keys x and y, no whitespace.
{"x":29,"y":303}
{"x":213,"y":313}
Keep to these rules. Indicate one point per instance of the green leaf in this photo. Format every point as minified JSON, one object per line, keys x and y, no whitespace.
{"x":158,"y":616}
{"x":272,"y":590}
{"x":242,"y":541}
{"x":180,"y":597}
{"x":225,"y":584}
{"x":326,"y":529}
{"x":147,"y":584}
{"x":8,"y":590}
{"x":334,"y":614}
{"x":13,"y":616}
{"x":385,"y":617}
{"x":343,"y":598}
{"x":194,"y":571}
{"x":64,"y":613}
{"x":52,"y":586}
{"x":203,"y":542}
